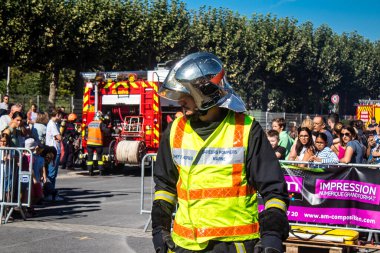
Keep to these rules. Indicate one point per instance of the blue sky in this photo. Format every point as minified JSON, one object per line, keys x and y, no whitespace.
{"x":362,"y":16}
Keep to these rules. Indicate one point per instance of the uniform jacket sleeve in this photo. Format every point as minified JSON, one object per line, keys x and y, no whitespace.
{"x":263,"y":169}
{"x":165,"y":171}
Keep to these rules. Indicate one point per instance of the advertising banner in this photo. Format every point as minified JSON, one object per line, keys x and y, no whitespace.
{"x":334,"y":196}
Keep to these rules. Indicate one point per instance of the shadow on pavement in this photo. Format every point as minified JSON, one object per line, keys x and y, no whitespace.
{"x":131,"y":171}
{"x":76,"y":203}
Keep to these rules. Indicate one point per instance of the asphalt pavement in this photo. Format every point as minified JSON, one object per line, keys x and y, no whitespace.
{"x":98,"y":214}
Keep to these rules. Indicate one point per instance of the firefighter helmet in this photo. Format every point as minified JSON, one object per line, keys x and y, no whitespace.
{"x":72,"y":117}
{"x":201,"y":75}
{"x":98,"y":115}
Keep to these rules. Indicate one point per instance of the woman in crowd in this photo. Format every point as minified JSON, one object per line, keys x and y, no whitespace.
{"x":304,"y":148}
{"x":305,"y":123}
{"x":13,"y":130}
{"x":354,"y":150}
{"x":323,"y":153}
{"x":337,"y":146}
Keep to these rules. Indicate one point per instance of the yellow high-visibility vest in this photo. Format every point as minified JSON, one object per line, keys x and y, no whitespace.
{"x":215,"y":200}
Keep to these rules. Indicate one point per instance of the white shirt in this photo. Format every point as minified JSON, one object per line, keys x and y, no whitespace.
{"x":51,"y":132}
{"x":4,"y":122}
{"x":302,"y":154}
{"x":4,"y":106}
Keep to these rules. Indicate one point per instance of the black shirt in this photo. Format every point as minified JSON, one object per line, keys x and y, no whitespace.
{"x":280,"y":150}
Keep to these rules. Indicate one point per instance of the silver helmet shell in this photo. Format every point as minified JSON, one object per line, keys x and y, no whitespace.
{"x":201,"y":75}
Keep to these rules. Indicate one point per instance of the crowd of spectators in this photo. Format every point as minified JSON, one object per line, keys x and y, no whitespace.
{"x":318,"y":140}
{"x":40,"y":133}
{"x":328,"y":141}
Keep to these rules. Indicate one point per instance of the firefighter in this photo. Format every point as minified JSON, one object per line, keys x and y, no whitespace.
{"x":95,"y":137}
{"x":220,"y":160}
{"x":70,"y":134}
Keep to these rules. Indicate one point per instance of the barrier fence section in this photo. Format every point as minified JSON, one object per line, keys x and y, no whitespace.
{"x":15,"y":181}
{"x":332,"y":196}
{"x":147,"y":187}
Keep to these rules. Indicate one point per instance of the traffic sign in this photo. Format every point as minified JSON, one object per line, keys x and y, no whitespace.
{"x":335,"y":99}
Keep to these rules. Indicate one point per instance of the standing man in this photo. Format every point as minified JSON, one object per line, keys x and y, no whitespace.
{"x":213,"y":161}
{"x":319,"y":125}
{"x":95,"y":141}
{"x":5,"y":104}
{"x":53,"y":139}
{"x":279,"y":124}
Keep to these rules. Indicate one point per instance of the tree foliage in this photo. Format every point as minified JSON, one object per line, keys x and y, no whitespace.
{"x":273,"y":63}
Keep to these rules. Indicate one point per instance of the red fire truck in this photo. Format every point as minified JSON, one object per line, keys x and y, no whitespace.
{"x":137,"y":114}
{"x":368,"y":109}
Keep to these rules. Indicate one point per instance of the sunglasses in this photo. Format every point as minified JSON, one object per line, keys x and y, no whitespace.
{"x":345,"y":134}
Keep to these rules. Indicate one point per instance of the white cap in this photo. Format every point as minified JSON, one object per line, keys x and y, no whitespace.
{"x":30,"y":143}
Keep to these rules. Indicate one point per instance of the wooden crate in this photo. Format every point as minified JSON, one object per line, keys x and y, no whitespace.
{"x":296,"y":247}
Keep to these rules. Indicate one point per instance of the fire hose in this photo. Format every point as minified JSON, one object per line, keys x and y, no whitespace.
{"x":130,"y":152}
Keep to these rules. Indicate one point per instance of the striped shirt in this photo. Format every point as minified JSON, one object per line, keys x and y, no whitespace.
{"x":327,"y":156}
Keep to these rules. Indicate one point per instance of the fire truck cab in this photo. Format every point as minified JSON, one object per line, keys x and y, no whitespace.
{"x":135,"y":113}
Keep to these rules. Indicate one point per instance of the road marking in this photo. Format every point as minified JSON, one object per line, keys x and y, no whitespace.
{"x":129,"y":232}
{"x":84,"y":238}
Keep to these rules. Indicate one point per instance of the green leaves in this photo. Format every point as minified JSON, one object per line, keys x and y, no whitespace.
{"x":269,"y":60}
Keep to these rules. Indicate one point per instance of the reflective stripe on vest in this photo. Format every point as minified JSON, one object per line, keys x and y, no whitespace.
{"x":95,"y":135}
{"x":215,"y":232}
{"x":215,"y":200}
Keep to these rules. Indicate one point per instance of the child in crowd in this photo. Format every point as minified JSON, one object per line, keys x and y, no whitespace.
{"x":323,"y":153}
{"x":50,"y":193}
{"x":37,"y":169}
{"x":274,"y":138}
{"x":5,"y":171}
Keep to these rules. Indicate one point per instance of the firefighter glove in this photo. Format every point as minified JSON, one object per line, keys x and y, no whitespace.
{"x":162,"y":241}
{"x":260,"y":249}
{"x":274,"y":222}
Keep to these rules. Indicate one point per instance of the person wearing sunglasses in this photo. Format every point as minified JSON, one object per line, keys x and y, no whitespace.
{"x":304,"y":147}
{"x":211,"y":163}
{"x":323,"y":154}
{"x":337,"y":147}
{"x":354,"y":150}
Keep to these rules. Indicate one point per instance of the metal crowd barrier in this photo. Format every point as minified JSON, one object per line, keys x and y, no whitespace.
{"x":147,"y":193}
{"x":15,"y":183}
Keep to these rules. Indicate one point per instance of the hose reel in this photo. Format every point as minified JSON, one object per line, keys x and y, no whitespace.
{"x":130,"y":152}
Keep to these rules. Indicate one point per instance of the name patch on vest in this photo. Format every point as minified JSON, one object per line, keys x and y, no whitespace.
{"x":210,"y":156}
{"x":94,"y":124}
